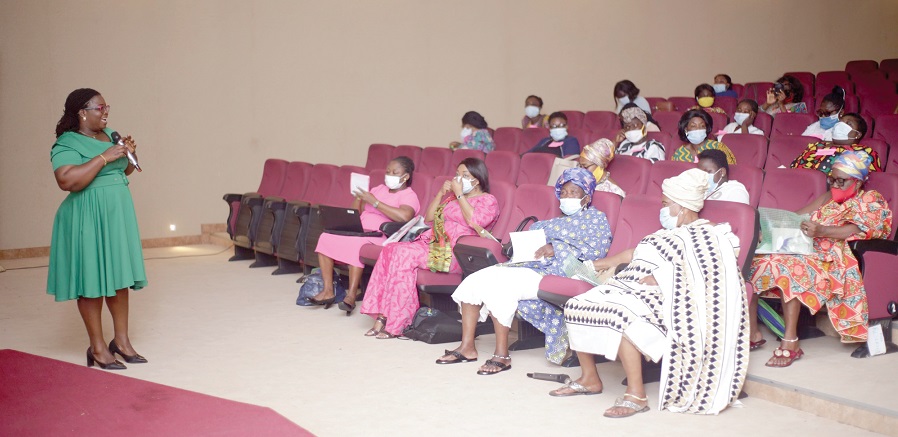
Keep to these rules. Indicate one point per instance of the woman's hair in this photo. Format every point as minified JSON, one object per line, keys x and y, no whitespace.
{"x":861,"y":123}
{"x":717,"y":157}
{"x":478,"y":169}
{"x":474,"y":119}
{"x":558,"y":115}
{"x":703,"y":86}
{"x":795,"y":85}
{"x":76,"y":101}
{"x":751,"y":102}
{"x":627,"y":87}
{"x":538,"y":99}
{"x":689,"y":115}
{"x":728,"y":79}
{"x":836,"y":97}
{"x":406,"y":163}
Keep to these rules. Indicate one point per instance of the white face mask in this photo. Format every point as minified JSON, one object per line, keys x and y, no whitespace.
{"x":712,"y":184}
{"x":393,"y":182}
{"x":571,"y":206}
{"x":531,"y":111}
{"x":624,"y":100}
{"x":841,"y":131}
{"x":634,"y":135}
{"x":668,"y":221}
{"x":719,"y":87}
{"x":466,"y":186}
{"x":696,"y":136}
{"x":558,"y":133}
{"x":466,"y":132}
{"x":740,"y":117}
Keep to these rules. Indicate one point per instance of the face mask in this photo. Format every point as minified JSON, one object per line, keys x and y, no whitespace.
{"x":740,"y":117}
{"x":696,"y":136}
{"x":558,"y":133}
{"x":705,"y":102}
{"x":840,"y":195}
{"x":712,"y":184}
{"x":571,"y":206}
{"x":828,"y":122}
{"x":623,"y":100}
{"x":841,"y":130}
{"x":719,"y":87}
{"x":466,"y":186}
{"x":668,"y":221}
{"x":393,"y":182}
{"x":634,"y":135}
{"x":531,"y":111}
{"x":466,"y":132}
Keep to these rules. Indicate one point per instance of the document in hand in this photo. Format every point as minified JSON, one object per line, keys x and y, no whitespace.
{"x":781,"y":233}
{"x":526,"y":243}
{"x":358,"y":182}
{"x":582,"y":270}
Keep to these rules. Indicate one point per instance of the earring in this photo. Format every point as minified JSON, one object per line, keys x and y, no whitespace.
{"x":84,"y":118}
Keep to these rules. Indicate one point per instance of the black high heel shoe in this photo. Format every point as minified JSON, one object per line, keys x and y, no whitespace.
{"x":349,"y":308}
{"x":130,"y":359}
{"x":327,"y":303}
{"x":115,"y":365}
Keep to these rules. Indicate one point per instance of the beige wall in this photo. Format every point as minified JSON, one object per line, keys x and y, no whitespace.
{"x":209,"y":89}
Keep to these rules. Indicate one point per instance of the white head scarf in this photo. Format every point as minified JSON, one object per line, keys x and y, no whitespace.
{"x":688,"y":189}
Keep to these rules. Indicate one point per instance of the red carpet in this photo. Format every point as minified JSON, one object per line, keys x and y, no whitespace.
{"x":45,"y":397}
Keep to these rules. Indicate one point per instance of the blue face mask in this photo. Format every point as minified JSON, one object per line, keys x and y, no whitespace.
{"x":827,"y":123}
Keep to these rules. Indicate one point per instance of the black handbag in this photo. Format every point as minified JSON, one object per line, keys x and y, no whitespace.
{"x":507,"y":248}
{"x":434,"y":326}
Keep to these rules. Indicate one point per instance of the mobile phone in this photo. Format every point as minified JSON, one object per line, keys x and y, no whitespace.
{"x":777,"y":87}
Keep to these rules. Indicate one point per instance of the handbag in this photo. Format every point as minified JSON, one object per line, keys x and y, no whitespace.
{"x":434,"y":326}
{"x":507,"y":248}
{"x":439,"y":257}
{"x":312,"y":284}
{"x":560,"y":165}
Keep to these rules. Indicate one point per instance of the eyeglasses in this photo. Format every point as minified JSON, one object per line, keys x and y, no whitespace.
{"x":101,"y":108}
{"x":838,"y":182}
{"x":555,"y":126}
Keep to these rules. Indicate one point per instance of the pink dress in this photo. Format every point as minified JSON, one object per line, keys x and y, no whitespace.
{"x":391,"y":289}
{"x":345,"y":249}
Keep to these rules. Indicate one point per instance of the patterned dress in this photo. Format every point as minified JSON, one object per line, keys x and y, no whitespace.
{"x":684,"y":152}
{"x":648,"y":149}
{"x":391,"y":289}
{"x":795,"y":108}
{"x":820,"y":156}
{"x":479,"y":140}
{"x":831,"y":276}
{"x":695,"y":319}
{"x":709,"y":109}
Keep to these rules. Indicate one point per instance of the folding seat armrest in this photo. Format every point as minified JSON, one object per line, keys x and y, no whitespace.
{"x":297,"y":207}
{"x":252,"y":199}
{"x":275,"y":204}
{"x":860,"y":247}
{"x":390,"y":228}
{"x":475,"y":253}
{"x":232,"y":197}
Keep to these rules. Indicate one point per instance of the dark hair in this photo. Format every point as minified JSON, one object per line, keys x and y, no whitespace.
{"x":558,"y":115}
{"x":76,"y":101}
{"x":540,"y":100}
{"x":408,"y":165}
{"x":717,"y":157}
{"x":474,"y":119}
{"x":478,"y":169}
{"x":751,"y":102}
{"x":728,"y":79}
{"x":836,"y":97}
{"x":689,"y":115}
{"x":627,"y":87}
{"x":861,"y":123}
{"x":704,"y":86}
{"x":795,"y":85}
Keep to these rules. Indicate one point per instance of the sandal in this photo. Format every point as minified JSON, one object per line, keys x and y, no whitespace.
{"x":384,"y":335}
{"x":790,"y":356}
{"x":502,"y":366}
{"x":752,"y":345}
{"x":459,"y":358}
{"x":578,"y":389}
{"x":373,"y":332}
{"x":621,"y":402}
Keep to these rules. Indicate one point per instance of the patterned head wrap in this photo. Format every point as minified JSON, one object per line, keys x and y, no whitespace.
{"x":581,"y":178}
{"x":687,"y":189}
{"x":854,"y":164}
{"x":629,"y":114}
{"x":599,"y":153}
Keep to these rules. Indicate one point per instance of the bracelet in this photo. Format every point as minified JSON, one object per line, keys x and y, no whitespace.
{"x":376,"y":204}
{"x":104,"y":160}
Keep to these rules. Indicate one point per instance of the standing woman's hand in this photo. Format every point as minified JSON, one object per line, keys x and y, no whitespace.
{"x":115,"y":152}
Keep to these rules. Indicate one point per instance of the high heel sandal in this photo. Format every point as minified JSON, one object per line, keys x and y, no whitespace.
{"x":114,"y":365}
{"x":327,"y":303}
{"x":130,"y":359}
{"x":372,"y":332}
{"x":349,"y":308}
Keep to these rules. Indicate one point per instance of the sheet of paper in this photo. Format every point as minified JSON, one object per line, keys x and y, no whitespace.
{"x":526,"y":243}
{"x":876,"y":343}
{"x":358,"y":182}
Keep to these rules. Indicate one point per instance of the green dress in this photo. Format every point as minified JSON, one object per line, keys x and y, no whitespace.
{"x":95,"y":248}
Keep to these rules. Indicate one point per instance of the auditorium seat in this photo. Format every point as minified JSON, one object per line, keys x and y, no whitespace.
{"x":784,"y":149}
{"x":507,"y":138}
{"x":851,"y":102}
{"x":887,"y":128}
{"x":434,"y":161}
{"x":807,"y":80}
{"x":861,"y":66}
{"x":826,"y":80}
{"x":268,"y":233}
{"x":874,"y":106}
{"x":609,"y":203}
{"x":791,"y":188}
{"x":750,"y":149}
{"x":890,"y":67}
{"x":596,"y":120}
{"x":880,"y":147}
{"x":662,"y":170}
{"x":756,"y":91}
{"x":873,"y":84}
{"x":631,"y":173}
{"x":728,"y":104}
{"x":530,"y":137}
{"x":668,"y":121}
{"x":654,"y":101}
{"x":582,"y":135}
{"x":598,"y":134}
{"x":791,"y":124}
{"x":376,"y":177}
{"x":574,"y":118}
{"x":243,"y":218}
{"x":422,"y":184}
{"x":503,"y":166}
{"x":460,"y":155}
{"x":739,"y":89}
{"x":682,"y":104}
{"x":412,"y":152}
{"x":764,"y":121}
{"x":753,"y":179}
{"x":718,"y":121}
{"x":535,"y":168}
{"x":664,"y":138}
{"x":878,"y":261}
{"x":379,"y":155}
{"x":745,"y":224}
{"x":887,"y":185}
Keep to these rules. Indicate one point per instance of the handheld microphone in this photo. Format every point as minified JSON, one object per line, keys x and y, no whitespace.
{"x":557,"y":377}
{"x":117,"y":139}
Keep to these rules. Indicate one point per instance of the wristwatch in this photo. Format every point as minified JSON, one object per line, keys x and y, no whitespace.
{"x":376,"y":204}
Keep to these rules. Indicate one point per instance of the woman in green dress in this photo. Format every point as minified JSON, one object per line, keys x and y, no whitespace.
{"x":95,"y":250}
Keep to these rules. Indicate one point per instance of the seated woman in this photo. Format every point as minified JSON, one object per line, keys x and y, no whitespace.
{"x":582,"y":233}
{"x":720,"y":186}
{"x":533,"y":118}
{"x":595,"y":157}
{"x":743,"y":120}
{"x":846,"y":134}
{"x":474,"y":134}
{"x":392,"y":298}
{"x":830,"y":111}
{"x":723,"y":86}
{"x":393,"y":200}
{"x":681,"y":298}
{"x":785,"y":96}
{"x":831,"y":275}
{"x":558,"y":143}
{"x":704,"y":96}
{"x":694,"y":127}
{"x":626,"y":92}
{"x":633,"y":138}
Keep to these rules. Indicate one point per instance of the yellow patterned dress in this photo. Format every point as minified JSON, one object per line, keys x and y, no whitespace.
{"x":684,"y":153}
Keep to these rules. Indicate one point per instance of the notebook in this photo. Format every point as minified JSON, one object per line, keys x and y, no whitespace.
{"x":343,"y":221}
